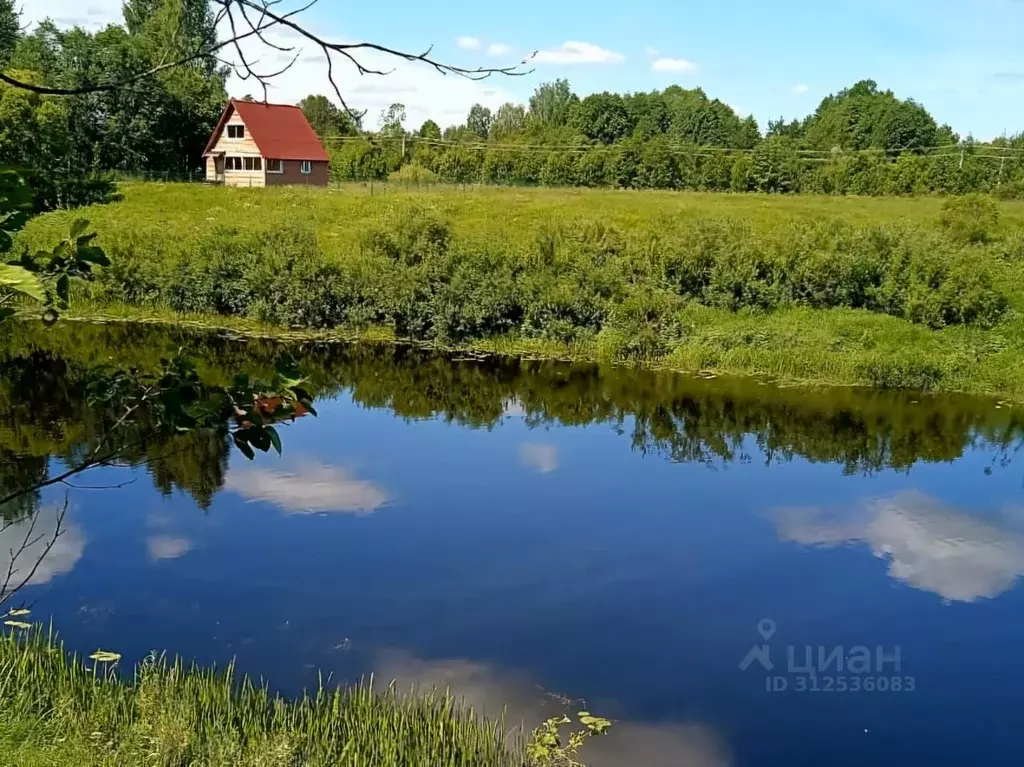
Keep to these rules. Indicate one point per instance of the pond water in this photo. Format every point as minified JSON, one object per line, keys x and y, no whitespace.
{"x":529,"y":532}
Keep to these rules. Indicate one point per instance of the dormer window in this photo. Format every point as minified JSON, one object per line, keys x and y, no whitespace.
{"x":236,"y":131}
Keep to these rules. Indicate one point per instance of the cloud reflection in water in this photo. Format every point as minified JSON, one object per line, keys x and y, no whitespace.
{"x":312,"y":487}
{"x":490,"y":691}
{"x":929,"y":546}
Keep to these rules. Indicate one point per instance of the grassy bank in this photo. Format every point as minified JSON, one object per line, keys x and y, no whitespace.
{"x":54,"y":712}
{"x":888,"y":293}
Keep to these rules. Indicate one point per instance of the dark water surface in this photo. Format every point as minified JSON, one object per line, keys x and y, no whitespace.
{"x":524,"y":532}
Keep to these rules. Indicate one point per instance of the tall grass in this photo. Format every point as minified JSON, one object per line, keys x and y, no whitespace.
{"x":67,"y":712}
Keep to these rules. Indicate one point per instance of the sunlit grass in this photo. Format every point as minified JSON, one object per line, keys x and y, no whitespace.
{"x":63,"y":711}
{"x":162,"y":231}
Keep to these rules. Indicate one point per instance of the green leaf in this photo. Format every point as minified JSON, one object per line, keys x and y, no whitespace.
{"x":275,"y":438}
{"x":18,"y":624}
{"x":18,"y":613}
{"x":59,"y":256}
{"x":104,"y":656}
{"x":22,"y":281}
{"x":242,"y":445}
{"x":6,"y":313}
{"x":78,"y":227}
{"x":63,"y":289}
{"x":260,"y":439}
{"x":93,"y":255}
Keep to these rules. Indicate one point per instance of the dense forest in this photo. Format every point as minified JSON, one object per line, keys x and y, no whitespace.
{"x":860,"y":140}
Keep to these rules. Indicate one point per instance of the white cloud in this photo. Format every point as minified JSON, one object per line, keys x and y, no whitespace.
{"x":498,"y":49}
{"x":312,"y":487}
{"x":800,"y":88}
{"x":59,"y":560}
{"x":167,"y":546}
{"x":651,"y":53}
{"x":468,"y":43}
{"x":493,"y":691}
{"x":672,"y":65}
{"x":929,"y":546}
{"x":539,"y":456}
{"x":573,"y":52}
{"x":70,"y":13}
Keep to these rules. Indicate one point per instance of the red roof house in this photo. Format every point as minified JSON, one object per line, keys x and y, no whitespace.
{"x":256,"y":144}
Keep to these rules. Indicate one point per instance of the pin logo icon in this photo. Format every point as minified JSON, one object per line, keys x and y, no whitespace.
{"x":761,"y":653}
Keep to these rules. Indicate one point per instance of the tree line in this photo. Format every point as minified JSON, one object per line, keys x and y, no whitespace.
{"x":861,"y":140}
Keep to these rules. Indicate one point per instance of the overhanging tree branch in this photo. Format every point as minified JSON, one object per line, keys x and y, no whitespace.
{"x":265,"y":18}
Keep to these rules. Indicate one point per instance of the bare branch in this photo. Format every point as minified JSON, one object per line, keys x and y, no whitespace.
{"x":257,"y":28}
{"x":117,"y":486}
{"x":206,"y":51}
{"x":6,"y":591}
{"x":59,"y":479}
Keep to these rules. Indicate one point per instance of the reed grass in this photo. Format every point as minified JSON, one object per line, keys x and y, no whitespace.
{"x":60,"y":710}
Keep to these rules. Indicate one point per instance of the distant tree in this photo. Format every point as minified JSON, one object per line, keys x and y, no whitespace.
{"x":945,"y":135}
{"x":460,"y":133}
{"x":602,"y":117}
{"x":429,"y":129}
{"x":647,"y":113}
{"x":391,"y":120}
{"x":326,"y":118}
{"x":9,"y":30}
{"x":794,"y":129}
{"x":749,"y":133}
{"x":509,"y":120}
{"x":694,"y":118}
{"x":550,"y":103}
{"x":171,"y":29}
{"x":775,"y":166}
{"x":863,"y":117}
{"x":479,"y":120}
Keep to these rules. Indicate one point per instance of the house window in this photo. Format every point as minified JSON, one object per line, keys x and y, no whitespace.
{"x":232,"y":163}
{"x":306,"y":167}
{"x":254,"y":163}
{"x":275,"y":166}
{"x":236,"y":131}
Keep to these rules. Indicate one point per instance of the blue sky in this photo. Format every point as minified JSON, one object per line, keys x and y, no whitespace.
{"x":963,"y":59}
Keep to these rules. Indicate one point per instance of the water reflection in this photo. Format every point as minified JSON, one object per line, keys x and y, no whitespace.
{"x":167,"y":547}
{"x":44,"y":412}
{"x":25,"y":541}
{"x":928,"y":545}
{"x":523,"y":703}
{"x":309,"y":487}
{"x":610,"y":563}
{"x":539,"y":456}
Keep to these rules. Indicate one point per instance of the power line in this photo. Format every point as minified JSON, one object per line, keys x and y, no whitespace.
{"x":975,"y":150}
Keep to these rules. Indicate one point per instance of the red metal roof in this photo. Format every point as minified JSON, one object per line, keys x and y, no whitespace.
{"x":281,"y":131}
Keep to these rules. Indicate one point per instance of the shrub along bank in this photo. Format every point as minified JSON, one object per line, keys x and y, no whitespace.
{"x":923,"y":301}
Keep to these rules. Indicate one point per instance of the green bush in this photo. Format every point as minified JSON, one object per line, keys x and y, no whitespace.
{"x":575,"y":277}
{"x":971,"y":219}
{"x":413,"y":174}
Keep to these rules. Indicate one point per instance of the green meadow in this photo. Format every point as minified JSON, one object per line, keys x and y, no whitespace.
{"x":921,"y":293}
